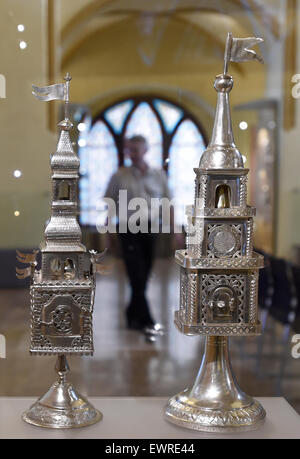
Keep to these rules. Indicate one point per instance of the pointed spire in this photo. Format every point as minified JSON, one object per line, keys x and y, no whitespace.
{"x":63,"y":233}
{"x":65,"y":162}
{"x":222,"y":152}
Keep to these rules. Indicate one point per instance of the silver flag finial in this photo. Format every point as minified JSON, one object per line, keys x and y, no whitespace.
{"x":68,"y":77}
{"x":47,"y":93}
{"x":239,"y":50}
{"x":60,"y":91}
{"x":222,"y":152}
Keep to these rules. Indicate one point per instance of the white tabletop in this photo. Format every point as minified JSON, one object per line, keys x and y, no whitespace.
{"x":142,"y":417}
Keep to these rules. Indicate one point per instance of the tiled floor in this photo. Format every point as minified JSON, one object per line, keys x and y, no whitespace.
{"x":124,"y":364}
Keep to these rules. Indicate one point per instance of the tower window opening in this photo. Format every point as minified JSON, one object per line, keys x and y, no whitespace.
{"x":55,"y":267}
{"x":69,"y":269}
{"x":222,"y":197}
{"x":64,"y":190}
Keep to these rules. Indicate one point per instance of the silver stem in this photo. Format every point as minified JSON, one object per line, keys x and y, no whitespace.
{"x":62,"y":368}
{"x":215,"y":403}
{"x":67,"y":79}
{"x":215,"y":386}
{"x":62,"y":406}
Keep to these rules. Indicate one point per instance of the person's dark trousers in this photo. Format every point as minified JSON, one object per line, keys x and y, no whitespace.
{"x":138,"y":252}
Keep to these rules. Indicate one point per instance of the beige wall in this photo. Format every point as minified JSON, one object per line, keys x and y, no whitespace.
{"x":109,"y":62}
{"x":289,"y":181}
{"x":25,"y":141}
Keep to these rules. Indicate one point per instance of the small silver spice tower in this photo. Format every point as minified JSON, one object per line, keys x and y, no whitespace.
{"x":219,"y":273}
{"x":63,"y":290}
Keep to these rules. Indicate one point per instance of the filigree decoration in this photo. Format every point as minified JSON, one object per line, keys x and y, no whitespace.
{"x":78,"y":416}
{"x":62,"y":320}
{"x":243,"y":190}
{"x":244,"y":262}
{"x":210,"y":282}
{"x":184,"y":414}
{"x":253,"y":297}
{"x":224,"y":240}
{"x":201,"y":196}
{"x":61,"y":324}
{"x":249,"y":241}
{"x":192,"y":303}
{"x":183,"y":289}
{"x":246,"y":211}
{"x":195,"y":235}
{"x":216,"y":330}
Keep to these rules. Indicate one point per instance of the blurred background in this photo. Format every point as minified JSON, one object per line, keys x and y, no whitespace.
{"x":147,"y":68}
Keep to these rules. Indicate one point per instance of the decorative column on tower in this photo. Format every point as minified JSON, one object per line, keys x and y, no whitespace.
{"x":63,"y":290}
{"x":219,"y":273}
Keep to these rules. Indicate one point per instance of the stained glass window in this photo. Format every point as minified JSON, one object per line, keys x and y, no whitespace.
{"x":186,"y":149}
{"x":144,"y":122}
{"x":117,"y":114}
{"x":170,"y":114}
{"x":99,"y":160}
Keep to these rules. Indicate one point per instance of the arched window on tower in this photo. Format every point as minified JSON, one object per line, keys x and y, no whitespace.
{"x":222,"y":196}
{"x":64,"y":190}
{"x":69,"y":269}
{"x":176,"y":143}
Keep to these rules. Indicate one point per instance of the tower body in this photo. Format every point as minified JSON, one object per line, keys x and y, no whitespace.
{"x":219,"y":273}
{"x":219,"y":269}
{"x":62,"y":291}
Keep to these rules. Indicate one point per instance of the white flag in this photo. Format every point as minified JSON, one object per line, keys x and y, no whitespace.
{"x":52,"y":92}
{"x":240,"y":49}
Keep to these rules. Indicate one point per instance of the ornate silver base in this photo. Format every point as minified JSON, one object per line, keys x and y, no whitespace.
{"x":62,"y":407}
{"x":215,"y":403}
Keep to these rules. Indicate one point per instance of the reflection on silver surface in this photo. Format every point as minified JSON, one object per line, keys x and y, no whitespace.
{"x":62,"y":407}
{"x":219,"y":276}
{"x":63,"y":290}
{"x":215,"y":403}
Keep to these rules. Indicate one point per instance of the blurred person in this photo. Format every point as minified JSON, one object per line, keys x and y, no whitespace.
{"x":140,"y":181}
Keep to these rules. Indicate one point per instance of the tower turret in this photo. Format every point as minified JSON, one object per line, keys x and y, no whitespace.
{"x":63,"y":290}
{"x":219,"y":272}
{"x":63,"y":231}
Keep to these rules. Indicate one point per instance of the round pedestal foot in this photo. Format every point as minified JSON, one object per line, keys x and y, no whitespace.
{"x":62,"y":408}
{"x":185,"y":411}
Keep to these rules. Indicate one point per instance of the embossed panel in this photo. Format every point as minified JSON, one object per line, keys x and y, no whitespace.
{"x":224,"y":240}
{"x":189,"y":298}
{"x":222,"y":298}
{"x":61,"y":320}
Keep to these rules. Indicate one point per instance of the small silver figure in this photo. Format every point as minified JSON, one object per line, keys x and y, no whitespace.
{"x":219,"y":273}
{"x":63,"y":290}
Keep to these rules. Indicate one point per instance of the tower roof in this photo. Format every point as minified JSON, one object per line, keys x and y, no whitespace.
{"x":222,"y":152}
{"x":65,"y":162}
{"x":62,"y":233}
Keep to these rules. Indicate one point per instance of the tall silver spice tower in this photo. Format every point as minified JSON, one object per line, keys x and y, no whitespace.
{"x":62,"y":291}
{"x":219,"y":273}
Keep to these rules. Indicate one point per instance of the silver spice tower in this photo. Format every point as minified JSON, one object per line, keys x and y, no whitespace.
{"x":62,"y":291}
{"x":219,"y":273}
